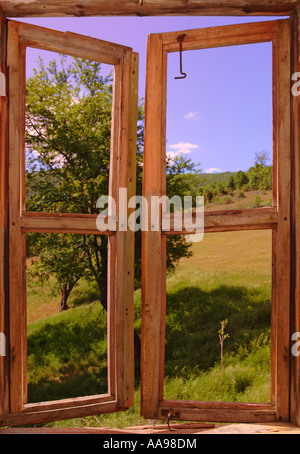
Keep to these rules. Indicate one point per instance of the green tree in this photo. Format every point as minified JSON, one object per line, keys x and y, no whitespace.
{"x":240,"y":179}
{"x":231,"y":183}
{"x":260,"y":175}
{"x":58,"y":262}
{"x":68,"y":122}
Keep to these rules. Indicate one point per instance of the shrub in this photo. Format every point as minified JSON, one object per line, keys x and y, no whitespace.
{"x":257,"y":201}
{"x":225,"y":200}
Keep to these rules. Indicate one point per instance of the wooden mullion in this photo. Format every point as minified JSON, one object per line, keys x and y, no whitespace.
{"x":152,"y":268}
{"x":4,"y":360}
{"x":163,"y":259}
{"x":227,"y":220}
{"x":65,"y":223}
{"x":123,"y":310}
{"x":129,"y":257}
{"x":15,"y":234}
{"x":295,"y":259}
{"x":112,"y":251}
{"x":282,"y":247}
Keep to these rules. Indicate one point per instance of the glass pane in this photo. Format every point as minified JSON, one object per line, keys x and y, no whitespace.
{"x":66,"y":316}
{"x":224,"y":278}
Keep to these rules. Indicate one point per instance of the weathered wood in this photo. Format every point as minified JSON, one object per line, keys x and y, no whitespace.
{"x":67,"y":403}
{"x":16,"y":243}
{"x":19,"y":8}
{"x":282,"y":251}
{"x":218,"y":411}
{"x":180,"y":404}
{"x":65,"y":223}
{"x":24,"y":418}
{"x":71,"y":43}
{"x":226,"y":35}
{"x":112,"y":251}
{"x":226,"y":220}
{"x":295,"y":224}
{"x":123,"y":285}
{"x":130,"y":236}
{"x":120,"y":271}
{"x":4,"y":360}
{"x":163,"y":285}
{"x":152,"y":266}
{"x":276,"y":218}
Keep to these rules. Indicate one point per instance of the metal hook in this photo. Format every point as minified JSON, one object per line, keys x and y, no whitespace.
{"x":180,"y":39}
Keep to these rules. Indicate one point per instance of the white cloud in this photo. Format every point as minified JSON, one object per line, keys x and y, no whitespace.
{"x":192,"y":115}
{"x":213,"y":170}
{"x":180,"y":148}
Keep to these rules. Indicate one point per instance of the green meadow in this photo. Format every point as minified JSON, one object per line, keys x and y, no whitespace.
{"x":227,"y":277}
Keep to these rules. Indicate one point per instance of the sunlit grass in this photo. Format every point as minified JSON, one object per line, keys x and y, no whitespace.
{"x":228,"y":276}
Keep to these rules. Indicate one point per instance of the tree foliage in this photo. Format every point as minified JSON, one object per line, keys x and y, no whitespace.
{"x":68,"y":128}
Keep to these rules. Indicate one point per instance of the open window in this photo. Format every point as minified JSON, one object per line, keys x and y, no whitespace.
{"x":275,"y":218}
{"x":72,"y":223}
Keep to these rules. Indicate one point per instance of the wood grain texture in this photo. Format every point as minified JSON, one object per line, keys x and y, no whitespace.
{"x":226,"y":35}
{"x":282,"y":247}
{"x":40,"y":416}
{"x":4,"y":360}
{"x":130,"y":236}
{"x":226,"y":220}
{"x":16,"y":243}
{"x":295,"y":224}
{"x":36,"y":8}
{"x":152,"y":253}
{"x":276,"y":218}
{"x":71,"y":43}
{"x":219,"y":411}
{"x":120,"y":270}
{"x":65,"y":223}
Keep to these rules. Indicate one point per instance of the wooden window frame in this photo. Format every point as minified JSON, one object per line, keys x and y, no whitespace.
{"x":276,"y":218}
{"x":121,"y":244}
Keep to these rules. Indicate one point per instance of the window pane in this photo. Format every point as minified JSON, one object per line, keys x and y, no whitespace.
{"x":220,"y":126}
{"x":227,"y":278}
{"x":68,"y":130}
{"x":66,"y":316}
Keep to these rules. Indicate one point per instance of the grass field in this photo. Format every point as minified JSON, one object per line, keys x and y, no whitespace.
{"x":227,"y":277}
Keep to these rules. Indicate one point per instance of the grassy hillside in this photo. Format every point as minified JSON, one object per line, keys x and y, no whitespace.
{"x":227,"y":277}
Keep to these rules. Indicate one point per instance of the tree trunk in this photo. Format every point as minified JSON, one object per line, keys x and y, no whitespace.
{"x":65,"y":292}
{"x":101,"y":278}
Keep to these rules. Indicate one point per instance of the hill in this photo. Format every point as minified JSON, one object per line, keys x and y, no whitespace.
{"x":227,"y":277}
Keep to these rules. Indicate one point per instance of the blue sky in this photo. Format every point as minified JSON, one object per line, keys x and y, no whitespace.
{"x":221,"y":114}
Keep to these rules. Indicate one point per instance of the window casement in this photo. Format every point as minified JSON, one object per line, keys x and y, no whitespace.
{"x":275,"y":218}
{"x":120,"y":244}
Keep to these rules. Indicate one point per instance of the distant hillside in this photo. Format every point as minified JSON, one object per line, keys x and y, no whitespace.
{"x":207,"y":178}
